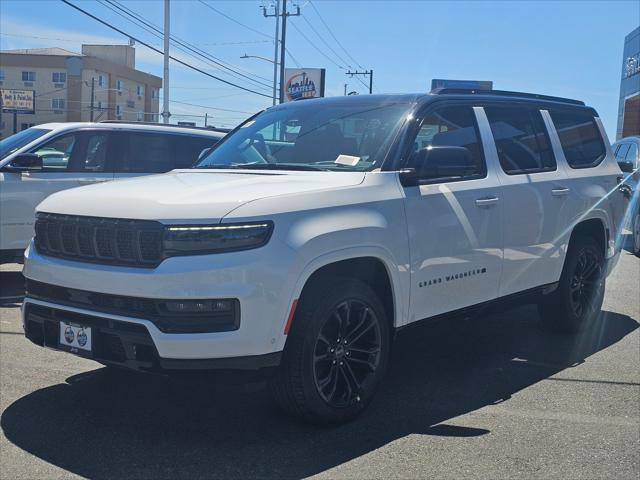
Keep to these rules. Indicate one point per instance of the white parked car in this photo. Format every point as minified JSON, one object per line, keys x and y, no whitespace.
{"x":300,"y":251}
{"x":627,"y":152}
{"x":51,"y":157}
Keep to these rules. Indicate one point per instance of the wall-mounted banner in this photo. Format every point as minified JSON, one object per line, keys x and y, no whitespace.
{"x":303,"y":83}
{"x":17,"y":101}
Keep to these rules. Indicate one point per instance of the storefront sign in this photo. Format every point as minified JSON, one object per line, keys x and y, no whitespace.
{"x":17,"y":101}
{"x":632,"y":66}
{"x":303,"y":83}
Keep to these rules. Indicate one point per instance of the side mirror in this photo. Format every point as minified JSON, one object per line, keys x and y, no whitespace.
{"x":626,"y":167}
{"x":438,"y":163}
{"x":26,"y":161}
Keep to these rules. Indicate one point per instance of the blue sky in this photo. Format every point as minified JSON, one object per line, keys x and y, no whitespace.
{"x":571,"y":48}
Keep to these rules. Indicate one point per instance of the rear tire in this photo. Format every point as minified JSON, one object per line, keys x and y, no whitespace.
{"x":577,"y":301}
{"x":336,"y":354}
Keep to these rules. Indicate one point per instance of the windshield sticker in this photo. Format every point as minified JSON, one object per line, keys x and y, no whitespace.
{"x":347,"y":160}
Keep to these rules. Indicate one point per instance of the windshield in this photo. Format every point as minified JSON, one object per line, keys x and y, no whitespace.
{"x":19,"y":140}
{"x":308,"y":136}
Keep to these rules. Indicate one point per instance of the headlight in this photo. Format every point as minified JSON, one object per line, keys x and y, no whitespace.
{"x":202,"y":239}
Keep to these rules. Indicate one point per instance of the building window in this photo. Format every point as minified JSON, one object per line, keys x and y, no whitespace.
{"x":57,"y":103}
{"x":28,"y":76}
{"x":118,"y":112}
{"x":58,"y":77}
{"x":140,"y":116}
{"x":140,"y":90}
{"x":99,"y":105}
{"x":100,"y":81}
{"x":24,"y":126}
{"x":119,"y":85}
{"x":154,"y":93}
{"x":1,"y":75}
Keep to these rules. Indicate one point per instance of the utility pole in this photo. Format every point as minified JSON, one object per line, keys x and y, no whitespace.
{"x":370,"y":73}
{"x":165,"y":81}
{"x":283,"y":40}
{"x":93,"y":82}
{"x":345,"y":89}
{"x":205,"y":119}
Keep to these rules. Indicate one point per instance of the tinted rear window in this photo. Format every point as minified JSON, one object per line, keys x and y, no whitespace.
{"x":580,"y":137}
{"x":521,"y":139}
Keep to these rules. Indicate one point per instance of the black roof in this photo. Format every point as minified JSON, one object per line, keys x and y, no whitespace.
{"x":423,"y":98}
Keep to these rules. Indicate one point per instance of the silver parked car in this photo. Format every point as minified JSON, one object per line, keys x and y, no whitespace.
{"x":627,"y":151}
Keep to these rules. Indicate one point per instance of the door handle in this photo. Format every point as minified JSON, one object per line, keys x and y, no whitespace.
{"x":487,"y":201}
{"x":560,"y":192}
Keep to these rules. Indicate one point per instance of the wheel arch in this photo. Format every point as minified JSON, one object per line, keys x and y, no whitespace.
{"x":595,"y":228}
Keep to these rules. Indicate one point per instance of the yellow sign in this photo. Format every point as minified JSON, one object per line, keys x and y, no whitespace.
{"x":20,"y":101}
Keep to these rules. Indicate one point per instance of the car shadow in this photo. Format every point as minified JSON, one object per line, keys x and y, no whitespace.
{"x":101,"y":425}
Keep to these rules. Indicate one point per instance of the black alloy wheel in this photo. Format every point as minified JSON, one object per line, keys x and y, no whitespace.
{"x":347,"y":353}
{"x":585,"y":282}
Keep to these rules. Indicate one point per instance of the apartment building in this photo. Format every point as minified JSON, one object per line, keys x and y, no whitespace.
{"x":101,"y":83}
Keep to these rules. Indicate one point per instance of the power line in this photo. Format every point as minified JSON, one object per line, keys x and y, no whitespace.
{"x":332,"y":34}
{"x":325,"y":42}
{"x":234,"y":20}
{"x":210,"y":107}
{"x":160,"y":51}
{"x":316,"y":47}
{"x":160,"y":34}
{"x":178,"y":40}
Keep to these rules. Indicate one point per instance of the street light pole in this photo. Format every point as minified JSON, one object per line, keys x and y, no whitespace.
{"x":275,"y":56}
{"x":165,"y":81}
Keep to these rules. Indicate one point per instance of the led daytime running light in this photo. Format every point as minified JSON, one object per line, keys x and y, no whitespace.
{"x":217,"y":227}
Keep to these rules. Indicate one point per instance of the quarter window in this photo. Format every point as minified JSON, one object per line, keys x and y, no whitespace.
{"x":580,"y":137}
{"x":452,"y":126}
{"x":521,"y":139}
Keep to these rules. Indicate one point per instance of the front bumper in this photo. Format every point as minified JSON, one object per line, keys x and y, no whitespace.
{"x":259,"y":279}
{"x":122,"y":343}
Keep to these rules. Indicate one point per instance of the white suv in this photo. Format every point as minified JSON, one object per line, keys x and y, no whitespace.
{"x":41,"y":160}
{"x":318,"y":228}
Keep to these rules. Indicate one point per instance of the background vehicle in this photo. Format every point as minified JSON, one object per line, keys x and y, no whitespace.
{"x":304,"y":251}
{"x":52,"y":157}
{"x":627,"y":152}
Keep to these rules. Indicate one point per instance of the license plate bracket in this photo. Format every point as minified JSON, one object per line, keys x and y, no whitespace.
{"x":75,"y":337}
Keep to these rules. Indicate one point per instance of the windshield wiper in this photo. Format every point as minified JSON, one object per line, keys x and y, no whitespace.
{"x":266,"y":166}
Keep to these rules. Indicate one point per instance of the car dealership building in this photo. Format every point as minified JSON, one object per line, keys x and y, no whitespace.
{"x":629,"y":106}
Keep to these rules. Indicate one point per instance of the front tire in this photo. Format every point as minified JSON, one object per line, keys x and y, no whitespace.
{"x":577,"y":301}
{"x":336,"y":353}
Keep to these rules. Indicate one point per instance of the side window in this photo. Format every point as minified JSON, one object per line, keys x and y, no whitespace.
{"x":186,"y":149}
{"x":521,"y":139}
{"x":447,"y":146}
{"x":56,"y":153}
{"x":579,"y":136}
{"x":621,"y":153}
{"x":146,"y":153}
{"x":632,"y":154}
{"x":95,"y":156}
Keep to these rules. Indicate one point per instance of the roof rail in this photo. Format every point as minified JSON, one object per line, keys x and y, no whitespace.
{"x":504,"y":93}
{"x":156,"y":124}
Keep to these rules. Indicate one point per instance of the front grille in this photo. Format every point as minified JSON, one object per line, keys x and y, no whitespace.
{"x":108,"y":241}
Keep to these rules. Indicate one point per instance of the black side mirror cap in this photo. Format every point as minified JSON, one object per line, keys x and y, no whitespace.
{"x":626,"y":167}
{"x":26,"y":162}
{"x":409,"y":177}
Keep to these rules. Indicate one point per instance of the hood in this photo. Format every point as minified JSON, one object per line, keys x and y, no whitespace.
{"x":188,"y":195}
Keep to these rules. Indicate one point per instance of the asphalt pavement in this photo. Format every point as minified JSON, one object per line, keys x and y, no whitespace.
{"x":492,"y":397}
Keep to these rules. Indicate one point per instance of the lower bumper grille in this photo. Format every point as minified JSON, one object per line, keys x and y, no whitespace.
{"x":113,"y":341}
